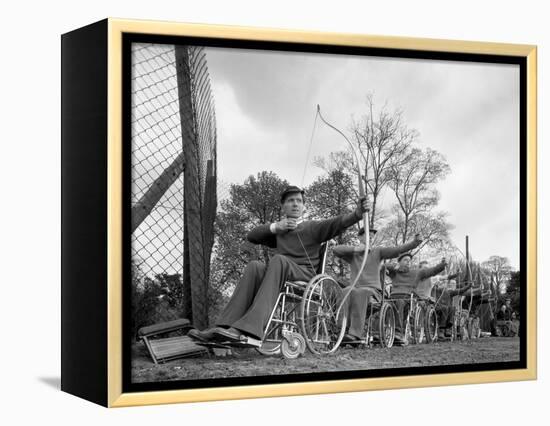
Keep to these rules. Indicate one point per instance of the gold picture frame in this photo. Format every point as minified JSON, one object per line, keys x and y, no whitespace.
{"x":112,"y":393}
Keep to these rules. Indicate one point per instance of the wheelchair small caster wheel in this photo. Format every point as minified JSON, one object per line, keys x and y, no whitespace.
{"x":293,"y":345}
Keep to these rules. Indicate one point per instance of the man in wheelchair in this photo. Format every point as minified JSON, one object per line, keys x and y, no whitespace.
{"x":448,"y":298}
{"x":297,"y":243}
{"x":405,"y":282}
{"x":369,"y":284}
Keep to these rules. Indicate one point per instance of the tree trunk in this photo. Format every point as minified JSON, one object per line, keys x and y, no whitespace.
{"x":405,"y":229}
{"x":372,"y":211}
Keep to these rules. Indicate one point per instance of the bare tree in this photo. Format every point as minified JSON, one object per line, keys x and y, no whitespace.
{"x":383,"y":139}
{"x":413,"y":180}
{"x":500,"y":270}
{"x":433,"y":226}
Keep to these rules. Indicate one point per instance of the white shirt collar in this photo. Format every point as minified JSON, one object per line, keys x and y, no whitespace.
{"x":299,"y":220}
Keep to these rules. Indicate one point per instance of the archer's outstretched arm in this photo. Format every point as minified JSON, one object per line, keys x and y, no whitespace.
{"x":461,"y":290}
{"x":391,"y":252}
{"x":345,"y":252}
{"x":434,"y":270}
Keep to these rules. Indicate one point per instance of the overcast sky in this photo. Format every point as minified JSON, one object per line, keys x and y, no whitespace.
{"x":266,"y":105}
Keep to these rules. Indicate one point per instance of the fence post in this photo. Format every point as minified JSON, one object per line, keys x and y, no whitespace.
{"x":192,"y":194}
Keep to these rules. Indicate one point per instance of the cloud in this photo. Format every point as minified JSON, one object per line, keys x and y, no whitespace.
{"x":265,"y":107}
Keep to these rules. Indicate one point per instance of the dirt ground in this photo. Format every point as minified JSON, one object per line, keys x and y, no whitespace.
{"x":251,"y":363}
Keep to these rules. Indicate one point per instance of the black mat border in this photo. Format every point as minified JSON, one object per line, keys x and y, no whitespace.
{"x":129,"y":38}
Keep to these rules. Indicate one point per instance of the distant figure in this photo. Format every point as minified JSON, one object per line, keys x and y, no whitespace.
{"x":448,"y":298}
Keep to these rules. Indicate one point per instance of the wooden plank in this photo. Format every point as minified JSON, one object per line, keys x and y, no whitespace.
{"x":174,"y":347}
{"x":167,"y":345}
{"x":172,"y":339}
{"x":150,"y":349}
{"x":180,"y":353}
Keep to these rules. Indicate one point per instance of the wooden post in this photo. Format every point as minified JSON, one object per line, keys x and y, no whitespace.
{"x":209,"y":214}
{"x":192,"y":192}
{"x":468,"y":272}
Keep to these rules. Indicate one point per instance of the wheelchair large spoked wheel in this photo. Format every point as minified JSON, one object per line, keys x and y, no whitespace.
{"x":322,"y":330}
{"x":430,"y":324}
{"x":455,"y":327}
{"x":386,"y":327}
{"x":418,"y":324}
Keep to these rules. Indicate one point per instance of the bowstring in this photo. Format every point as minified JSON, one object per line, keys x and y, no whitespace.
{"x":309,"y":149}
{"x":302,"y":184}
{"x":305,"y":251}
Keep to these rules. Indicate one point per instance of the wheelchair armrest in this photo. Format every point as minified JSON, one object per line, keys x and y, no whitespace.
{"x":298,"y":285}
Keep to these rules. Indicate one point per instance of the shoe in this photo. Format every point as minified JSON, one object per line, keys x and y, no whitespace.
{"x":227,"y":335}
{"x":350,"y":339}
{"x":399,"y":339}
{"x":202,"y":336}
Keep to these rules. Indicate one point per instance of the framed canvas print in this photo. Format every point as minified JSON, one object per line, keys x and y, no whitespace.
{"x":253,"y":212}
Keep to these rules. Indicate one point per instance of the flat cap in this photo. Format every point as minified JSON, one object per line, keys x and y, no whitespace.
{"x":290,"y":190}
{"x":403,"y":255}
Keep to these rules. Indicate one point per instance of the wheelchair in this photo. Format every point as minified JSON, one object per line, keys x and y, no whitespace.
{"x":418,"y":317}
{"x":383,"y":314}
{"x":466,"y":323}
{"x":459,"y":324}
{"x":380,"y":323}
{"x":304,"y":316}
{"x":431,"y":323}
{"x":411,"y":317}
{"x":463,"y":325}
{"x":382,"y":319}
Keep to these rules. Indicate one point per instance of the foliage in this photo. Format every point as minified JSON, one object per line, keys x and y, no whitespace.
{"x":432,"y":226}
{"x":154,"y":300}
{"x":256,"y":201}
{"x":328,"y":196}
{"x":500,"y":269}
{"x":513,"y":291}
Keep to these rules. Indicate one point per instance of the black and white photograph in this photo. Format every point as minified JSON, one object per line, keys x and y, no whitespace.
{"x":298,"y":213}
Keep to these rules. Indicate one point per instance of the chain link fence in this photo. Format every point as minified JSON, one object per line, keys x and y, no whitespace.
{"x":173,"y":172}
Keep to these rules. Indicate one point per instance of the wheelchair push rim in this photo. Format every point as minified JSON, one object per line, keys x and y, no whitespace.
{"x":431,"y":325}
{"x":386,"y":325}
{"x":322,"y":330}
{"x":418,"y":332}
